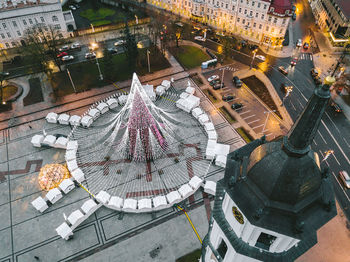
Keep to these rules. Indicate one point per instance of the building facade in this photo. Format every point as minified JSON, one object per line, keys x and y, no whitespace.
{"x":17,"y":16}
{"x":257,"y":20}
{"x":333,"y":16}
{"x":274,"y":195}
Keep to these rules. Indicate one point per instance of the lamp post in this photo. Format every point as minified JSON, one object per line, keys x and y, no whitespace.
{"x":71,"y":81}
{"x":254,"y":54}
{"x":267,"y":117}
{"x":223,"y":72}
{"x":149,"y":65}
{"x":3,"y":75}
{"x":289,"y":89}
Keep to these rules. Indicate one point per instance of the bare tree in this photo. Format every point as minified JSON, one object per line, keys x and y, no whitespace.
{"x":42,"y":43}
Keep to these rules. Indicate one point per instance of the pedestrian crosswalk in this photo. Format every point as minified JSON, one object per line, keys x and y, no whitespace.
{"x":306,"y":56}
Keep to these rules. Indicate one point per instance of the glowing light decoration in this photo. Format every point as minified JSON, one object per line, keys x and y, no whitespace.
{"x":52,"y":175}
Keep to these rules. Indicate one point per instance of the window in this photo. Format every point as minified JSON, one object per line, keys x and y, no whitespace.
{"x":36,"y":21}
{"x":245,"y":11}
{"x":24,"y":22}
{"x":4,"y":25}
{"x":267,"y":28}
{"x":269,"y":18}
{"x":243,"y":21}
{"x":283,"y":21}
{"x":55,"y":18}
{"x":265,"y":241}
{"x":8,"y":34}
{"x":57,"y":26}
{"x":222,"y":4}
{"x":281,"y":31}
{"x":257,"y":14}
{"x":7,"y":45}
{"x":251,"y":13}
{"x":238,"y":19}
{"x":262,"y":16}
{"x":2,"y":36}
{"x":30,"y":21}
{"x":42,"y":19}
{"x":240,"y":10}
{"x":14,"y":23}
{"x":18,"y":33}
{"x":60,"y":35}
{"x":226,"y":6}
{"x":260,"y":26}
{"x":254,"y":25}
{"x":275,"y":20}
{"x":222,"y":249}
{"x":265,"y":6}
{"x":272,"y":30}
{"x":253,"y":3}
{"x":247,"y":2}
{"x":233,"y":8}
{"x":13,"y":44}
{"x":259,"y":4}
{"x":272,"y":9}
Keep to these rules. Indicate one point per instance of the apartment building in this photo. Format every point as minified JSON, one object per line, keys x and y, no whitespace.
{"x":263,"y":21}
{"x":18,"y":15}
{"x":333,"y":16}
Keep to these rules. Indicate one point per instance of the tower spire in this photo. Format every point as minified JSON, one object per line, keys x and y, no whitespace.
{"x":300,"y":137}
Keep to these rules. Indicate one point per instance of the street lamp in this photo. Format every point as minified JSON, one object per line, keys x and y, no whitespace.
{"x":149,"y":65}
{"x":289,"y":89}
{"x":3,"y":75}
{"x":223,"y":72}
{"x":254,"y":54}
{"x":267,"y":117}
{"x":99,"y":70}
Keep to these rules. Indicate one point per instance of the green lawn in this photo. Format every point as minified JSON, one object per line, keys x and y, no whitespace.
{"x":227,"y":115}
{"x":85,"y":75}
{"x":189,"y":56}
{"x":35,"y":94}
{"x":244,"y":135}
{"x":100,"y":14}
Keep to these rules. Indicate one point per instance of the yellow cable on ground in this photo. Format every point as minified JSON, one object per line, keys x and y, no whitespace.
{"x":86,"y":190}
{"x":189,"y":220}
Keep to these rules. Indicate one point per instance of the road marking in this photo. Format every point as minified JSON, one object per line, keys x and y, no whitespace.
{"x":258,"y":126}
{"x":311,"y":57}
{"x":293,"y":105}
{"x":333,"y":123}
{"x":341,"y":186}
{"x":256,"y":120}
{"x":248,"y":117}
{"x":269,"y":134}
{"x":346,"y":142}
{"x":318,"y":131}
{"x":300,"y":103}
{"x":336,"y":159}
{"x":245,"y":112}
{"x":315,"y":142}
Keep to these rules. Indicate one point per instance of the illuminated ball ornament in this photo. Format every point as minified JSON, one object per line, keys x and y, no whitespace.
{"x":51,"y":175}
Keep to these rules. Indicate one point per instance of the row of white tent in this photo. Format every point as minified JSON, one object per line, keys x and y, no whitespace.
{"x":49,"y":140}
{"x":214,"y":151}
{"x":65,"y":230}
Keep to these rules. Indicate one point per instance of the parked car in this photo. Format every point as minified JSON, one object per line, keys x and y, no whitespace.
{"x":120,"y":42}
{"x":214,"y":82}
{"x":93,"y":46}
{"x":261,"y":57}
{"x":345,"y":178}
{"x":75,"y":46}
{"x":299,"y":43}
{"x":228,"y":97}
{"x":90,"y":55}
{"x":336,"y":107}
{"x":293,"y":8}
{"x":294,"y":16}
{"x":294,"y":61}
{"x":72,"y":7}
{"x":199,"y":38}
{"x":76,"y":6}
{"x":237,"y":81}
{"x":306,"y":45}
{"x":283,"y":70}
{"x":64,"y":48}
{"x":253,"y":47}
{"x":218,"y":85}
{"x":243,"y":43}
{"x":62,"y":54}
{"x":314,"y":72}
{"x":213,"y":77}
{"x":237,"y":106}
{"x":67,"y":58}
{"x":112,"y":50}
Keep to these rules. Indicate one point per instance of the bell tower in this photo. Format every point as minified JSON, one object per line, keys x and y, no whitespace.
{"x":274,"y":195}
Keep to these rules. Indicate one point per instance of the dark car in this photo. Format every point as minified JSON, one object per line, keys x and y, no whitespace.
{"x":283,"y":88}
{"x":336,"y":107}
{"x":218,"y":85}
{"x":306,"y":45}
{"x":237,"y":106}
{"x":228,"y":97}
{"x":112,"y":50}
{"x":294,"y":16}
{"x":283,"y":70}
{"x":293,"y":8}
{"x":244,"y":43}
{"x":214,"y":82}
{"x":237,"y":81}
{"x":253,"y":47}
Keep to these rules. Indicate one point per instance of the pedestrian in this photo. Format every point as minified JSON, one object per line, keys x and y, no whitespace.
{"x":36,"y":258}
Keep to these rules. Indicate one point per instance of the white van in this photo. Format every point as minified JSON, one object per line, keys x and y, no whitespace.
{"x":345,"y":178}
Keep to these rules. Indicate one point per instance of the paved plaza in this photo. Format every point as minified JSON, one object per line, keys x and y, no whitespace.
{"x":26,"y":234}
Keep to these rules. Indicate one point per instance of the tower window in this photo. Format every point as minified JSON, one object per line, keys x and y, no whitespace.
{"x":265,"y":241}
{"x":222,"y":249}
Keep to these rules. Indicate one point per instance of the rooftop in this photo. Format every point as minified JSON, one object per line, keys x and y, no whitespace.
{"x":344,"y":6}
{"x":6,"y":5}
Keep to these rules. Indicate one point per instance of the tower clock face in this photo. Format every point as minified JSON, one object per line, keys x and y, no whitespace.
{"x":238,"y":215}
